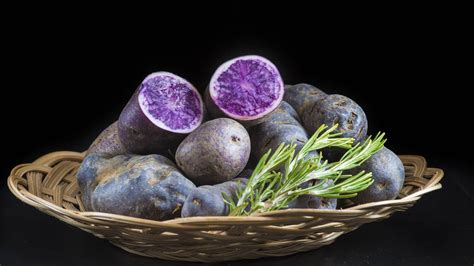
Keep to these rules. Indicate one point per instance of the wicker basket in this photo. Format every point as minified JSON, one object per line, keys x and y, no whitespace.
{"x":49,"y":184}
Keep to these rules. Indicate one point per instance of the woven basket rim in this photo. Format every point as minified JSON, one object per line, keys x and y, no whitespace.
{"x":49,"y":159}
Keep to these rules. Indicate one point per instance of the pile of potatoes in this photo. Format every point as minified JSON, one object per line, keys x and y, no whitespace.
{"x":174,"y":153}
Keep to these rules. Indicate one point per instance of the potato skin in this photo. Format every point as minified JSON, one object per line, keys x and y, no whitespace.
{"x":281,"y":127}
{"x":337,"y":109}
{"x":140,"y":136}
{"x":208,"y":201}
{"x":215,"y":152}
{"x":149,"y":187}
{"x":314,"y":202}
{"x":108,"y":142}
{"x":388,"y":174}
{"x":302,"y":96}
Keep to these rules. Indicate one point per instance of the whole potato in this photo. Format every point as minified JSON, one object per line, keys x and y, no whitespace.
{"x":108,"y":142}
{"x":336,"y":109}
{"x":282,"y":126}
{"x":314,"y":202}
{"x":148,"y":187}
{"x":302,"y":96}
{"x":208,"y":200}
{"x":215,"y":152}
{"x":388,"y":174}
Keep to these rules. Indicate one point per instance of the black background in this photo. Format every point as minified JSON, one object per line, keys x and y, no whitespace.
{"x":68,"y":77}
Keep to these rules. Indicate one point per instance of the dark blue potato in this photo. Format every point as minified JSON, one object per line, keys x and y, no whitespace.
{"x":215,"y":152}
{"x":337,"y":109}
{"x":162,"y":111}
{"x":246,"y":89}
{"x":302,"y":96}
{"x":209,"y":201}
{"x":314,"y":202}
{"x":108,"y":143}
{"x":149,"y":187}
{"x":388,"y":174}
{"x":282,"y":126}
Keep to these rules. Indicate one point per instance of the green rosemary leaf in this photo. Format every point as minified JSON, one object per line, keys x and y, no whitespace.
{"x":269,"y":189}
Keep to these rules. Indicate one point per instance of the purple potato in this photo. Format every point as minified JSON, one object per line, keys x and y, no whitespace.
{"x":162,"y":111}
{"x":215,"y":152}
{"x":282,"y":126}
{"x":322,"y":203}
{"x":336,"y":109}
{"x":388,"y":174}
{"x":302,"y":96}
{"x":246,"y":88}
{"x":107,"y":143}
{"x":314,"y":202}
{"x":149,"y":187}
{"x":208,"y":200}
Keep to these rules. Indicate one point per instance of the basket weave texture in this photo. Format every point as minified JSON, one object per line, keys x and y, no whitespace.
{"x":49,"y":184}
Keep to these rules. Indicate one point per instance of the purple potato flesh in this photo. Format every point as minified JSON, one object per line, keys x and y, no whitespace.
{"x":246,"y":88}
{"x":171,"y":102}
{"x":161,"y":112}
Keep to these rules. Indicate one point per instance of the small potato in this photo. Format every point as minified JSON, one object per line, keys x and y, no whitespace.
{"x":215,"y":152}
{"x":108,"y":143}
{"x":314,"y":202}
{"x":209,"y":201}
{"x":388,"y":174}
{"x":148,"y":187}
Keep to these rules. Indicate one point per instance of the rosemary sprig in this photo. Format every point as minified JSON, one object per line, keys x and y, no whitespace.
{"x":269,"y":188}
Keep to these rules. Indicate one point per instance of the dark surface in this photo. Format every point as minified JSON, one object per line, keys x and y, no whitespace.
{"x":62,"y":87}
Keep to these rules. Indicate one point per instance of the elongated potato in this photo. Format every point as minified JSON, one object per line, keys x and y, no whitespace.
{"x":148,"y":187}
